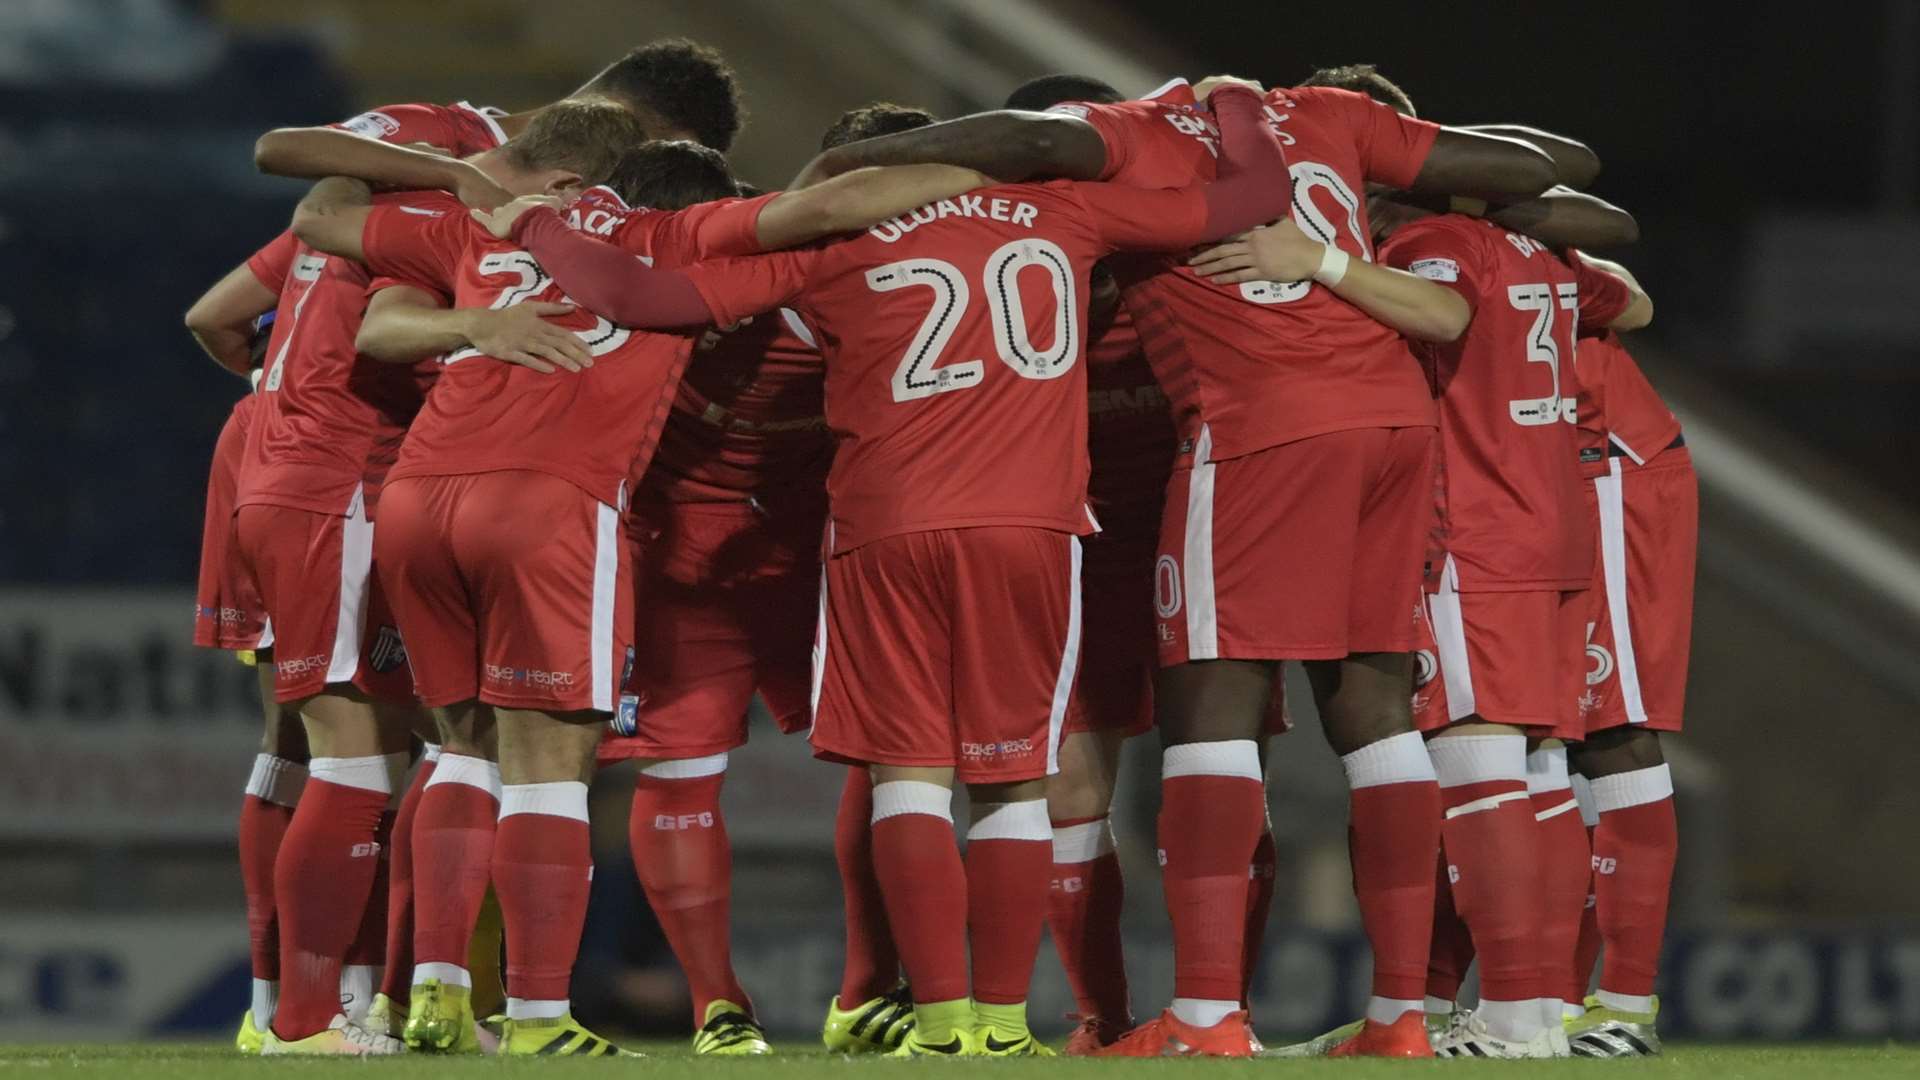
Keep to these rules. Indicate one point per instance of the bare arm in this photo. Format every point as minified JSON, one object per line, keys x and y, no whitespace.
{"x":1574,"y":162}
{"x":1411,"y":305}
{"x":856,"y":200}
{"x":1007,"y":144}
{"x":1563,"y":217}
{"x":314,"y":153}
{"x":404,"y":324}
{"x":1639,"y":313}
{"x":221,"y":320}
{"x":333,"y":215}
{"x":1481,"y":166}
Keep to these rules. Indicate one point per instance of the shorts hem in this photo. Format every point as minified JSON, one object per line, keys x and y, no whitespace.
{"x":556,"y":705}
{"x":1671,"y":724}
{"x":630,"y":747}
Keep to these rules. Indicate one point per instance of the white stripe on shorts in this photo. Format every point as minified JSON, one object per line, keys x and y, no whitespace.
{"x":1613,"y":564}
{"x":606,"y":579}
{"x":1450,"y":637}
{"x":1069,"y":663}
{"x":820,"y":633}
{"x":1203,"y":613}
{"x":356,"y":565}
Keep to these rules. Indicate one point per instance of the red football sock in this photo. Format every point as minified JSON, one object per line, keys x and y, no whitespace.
{"x":397,"y":979}
{"x":1009,"y":866}
{"x":1083,"y":914}
{"x":265,"y":813}
{"x":453,"y":833}
{"x":542,"y":872}
{"x":1493,"y":851}
{"x":924,"y":885}
{"x":321,"y":881}
{"x":1634,"y":848}
{"x":369,"y":946}
{"x":872,"y":964}
{"x":1587,"y":950}
{"x":1393,"y":833}
{"x":1568,"y":870}
{"x":679,"y":843}
{"x":1212,"y":811}
{"x":1451,"y":953}
{"x":1262,"y":872}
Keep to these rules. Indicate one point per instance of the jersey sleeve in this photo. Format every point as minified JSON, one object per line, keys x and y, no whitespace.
{"x":1440,"y":255}
{"x":1112,"y":125}
{"x":712,"y":230}
{"x":1393,"y":146}
{"x":410,"y":245}
{"x":739,"y":288}
{"x":1144,"y":219}
{"x":1603,"y":296}
{"x":271,"y":263}
{"x":430,"y":124}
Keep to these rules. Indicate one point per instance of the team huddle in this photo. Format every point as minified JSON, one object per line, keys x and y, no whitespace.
{"x":985,"y":446}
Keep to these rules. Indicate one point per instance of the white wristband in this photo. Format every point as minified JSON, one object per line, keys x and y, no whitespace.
{"x":1333,"y":267}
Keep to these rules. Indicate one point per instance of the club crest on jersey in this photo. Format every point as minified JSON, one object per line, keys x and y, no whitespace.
{"x":388,"y":651}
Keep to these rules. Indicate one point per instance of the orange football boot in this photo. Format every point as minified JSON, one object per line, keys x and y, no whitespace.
{"x":1404,"y":1038}
{"x":1167,"y":1036}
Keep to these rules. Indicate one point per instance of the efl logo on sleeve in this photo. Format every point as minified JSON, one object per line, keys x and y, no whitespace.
{"x":373,"y":125}
{"x":1436,"y":269}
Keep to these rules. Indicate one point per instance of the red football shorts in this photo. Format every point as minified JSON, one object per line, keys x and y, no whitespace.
{"x":512,"y":587}
{"x":950,"y":647}
{"x":1503,"y":657}
{"x":726,"y":598}
{"x":1641,"y":605}
{"x":1310,"y":550}
{"x":330,"y":618}
{"x":1114,"y":690}
{"x":227,"y":612}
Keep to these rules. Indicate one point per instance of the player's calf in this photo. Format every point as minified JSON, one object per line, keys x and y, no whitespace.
{"x":1088,"y":893}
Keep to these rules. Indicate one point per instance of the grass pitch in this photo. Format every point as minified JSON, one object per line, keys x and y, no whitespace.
{"x":203,"y":1061}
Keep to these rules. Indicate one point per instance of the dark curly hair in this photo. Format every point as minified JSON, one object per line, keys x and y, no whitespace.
{"x":687,"y":86}
{"x":1045,"y":92}
{"x":873,"y":120}
{"x":672,"y":175}
{"x":1363,"y":79}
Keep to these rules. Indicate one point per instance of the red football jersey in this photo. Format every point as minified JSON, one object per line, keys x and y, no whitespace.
{"x":912,"y":315}
{"x":591,"y":428}
{"x":1511,"y":514}
{"x":1618,"y":405}
{"x":1264,"y":363}
{"x":329,"y":420}
{"x":749,"y":420}
{"x":1130,"y":436}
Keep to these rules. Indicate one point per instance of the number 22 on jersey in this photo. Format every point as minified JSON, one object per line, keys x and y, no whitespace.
{"x":920,"y":373}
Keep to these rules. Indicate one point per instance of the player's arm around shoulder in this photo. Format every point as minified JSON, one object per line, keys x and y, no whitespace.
{"x":1418,"y":308}
{"x":333,"y":216}
{"x":857,"y":200}
{"x":1010,"y":145}
{"x":405,"y":324}
{"x":1639,"y":310}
